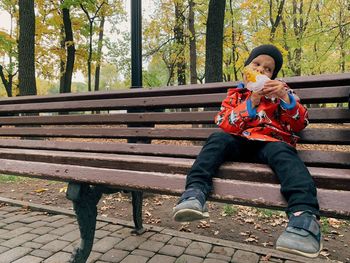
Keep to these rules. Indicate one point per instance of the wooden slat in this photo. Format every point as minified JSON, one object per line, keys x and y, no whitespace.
{"x":323,"y":158}
{"x":247,"y":193}
{"x":324,"y":177}
{"x":192,"y":89}
{"x":329,"y":115}
{"x":320,"y":115}
{"x":96,"y":132}
{"x":118,"y":104}
{"x":323,"y":80}
{"x":333,"y":94}
{"x":325,"y":136}
{"x":310,"y":157}
{"x":294,"y":82}
{"x":309,"y":135}
{"x":324,"y":94}
{"x":115,"y":118}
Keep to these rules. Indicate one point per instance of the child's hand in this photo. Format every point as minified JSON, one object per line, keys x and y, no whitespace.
{"x":275,"y":89}
{"x":255,"y":98}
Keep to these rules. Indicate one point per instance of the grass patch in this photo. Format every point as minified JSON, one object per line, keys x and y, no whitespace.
{"x":229,"y":210}
{"x":264,"y":212}
{"x":5,"y":178}
{"x":324,"y":225}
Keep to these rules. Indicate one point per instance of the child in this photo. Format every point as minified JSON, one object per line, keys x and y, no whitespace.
{"x":260,"y":126}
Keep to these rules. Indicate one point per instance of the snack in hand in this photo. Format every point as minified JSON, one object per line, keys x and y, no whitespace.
{"x":255,"y":80}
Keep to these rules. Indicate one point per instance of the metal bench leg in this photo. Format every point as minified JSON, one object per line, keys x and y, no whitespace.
{"x":137,"y":197}
{"x":85,"y":199}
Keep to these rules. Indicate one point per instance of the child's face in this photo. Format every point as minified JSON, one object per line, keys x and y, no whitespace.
{"x":263,"y":64}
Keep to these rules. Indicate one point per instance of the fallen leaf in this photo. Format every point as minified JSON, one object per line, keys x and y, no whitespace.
{"x":185,"y":228}
{"x":203,"y":224}
{"x":104,"y":208}
{"x":40,"y":190}
{"x":324,"y":253}
{"x":266,"y":258}
{"x":249,"y":220}
{"x":251,"y":239}
{"x":335,"y":223}
{"x":63,"y":189}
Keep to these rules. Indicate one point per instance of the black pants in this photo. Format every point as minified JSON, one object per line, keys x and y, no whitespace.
{"x":297,"y":185}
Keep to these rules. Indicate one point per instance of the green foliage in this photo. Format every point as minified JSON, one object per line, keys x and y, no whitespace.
{"x":229,"y":210}
{"x":267,"y":212}
{"x":156,"y":74}
{"x":325,"y":226}
{"x":4,"y":178}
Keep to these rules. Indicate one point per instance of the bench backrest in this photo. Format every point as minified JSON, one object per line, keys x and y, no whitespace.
{"x":178,"y":114}
{"x":176,"y":120}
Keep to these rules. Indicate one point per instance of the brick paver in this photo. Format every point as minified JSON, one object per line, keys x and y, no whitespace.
{"x":245,"y":257}
{"x":14,"y":254}
{"x":114,"y":255}
{"x":27,"y":259}
{"x":106,"y":244}
{"x":151,"y":245}
{"x":42,"y":253}
{"x":162,"y":258}
{"x":58,"y":258}
{"x":144,"y":253}
{"x":52,"y":238}
{"x":172,"y":250}
{"x":199,"y":249}
{"x":130,"y":243}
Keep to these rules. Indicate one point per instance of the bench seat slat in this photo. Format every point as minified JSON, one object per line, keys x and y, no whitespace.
{"x":310,"y":157}
{"x":325,"y":178}
{"x":309,"y":135}
{"x":247,"y":193}
{"x":316,"y":115}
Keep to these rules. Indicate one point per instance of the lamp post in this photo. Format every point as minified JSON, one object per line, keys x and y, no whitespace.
{"x":136,"y":44}
{"x":136,"y":82}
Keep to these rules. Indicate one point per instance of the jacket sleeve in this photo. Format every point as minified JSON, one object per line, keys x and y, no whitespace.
{"x":294,"y":115}
{"x":235,"y":111}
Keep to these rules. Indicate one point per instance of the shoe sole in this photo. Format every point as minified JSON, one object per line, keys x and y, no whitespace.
{"x":188,"y":215}
{"x":297,"y":252}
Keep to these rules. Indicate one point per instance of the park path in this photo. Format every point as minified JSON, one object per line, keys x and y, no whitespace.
{"x":38,"y":233}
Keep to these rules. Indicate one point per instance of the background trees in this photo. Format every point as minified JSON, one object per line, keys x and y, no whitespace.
{"x":181,"y":44}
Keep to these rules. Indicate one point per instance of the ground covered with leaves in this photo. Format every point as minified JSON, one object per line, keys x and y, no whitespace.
{"x":259,"y":227}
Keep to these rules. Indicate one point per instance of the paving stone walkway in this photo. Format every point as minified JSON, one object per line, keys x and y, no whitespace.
{"x":36,"y":233}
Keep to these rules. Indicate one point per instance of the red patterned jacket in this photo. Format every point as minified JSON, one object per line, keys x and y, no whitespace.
{"x":272,"y":120}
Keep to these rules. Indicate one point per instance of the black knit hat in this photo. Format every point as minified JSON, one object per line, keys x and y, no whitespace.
{"x":270,"y":50}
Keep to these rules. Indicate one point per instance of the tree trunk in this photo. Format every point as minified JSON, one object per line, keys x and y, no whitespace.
{"x":214,"y":41}
{"x":300,"y":23}
{"x":275,"y":22}
{"x":90,"y":55}
{"x":7,"y":83}
{"x":233,"y":45}
{"x":343,"y":35}
{"x":69,"y":44}
{"x":180,"y":43}
{"x":193,"y":49}
{"x":26,"y":44}
{"x":99,"y":54}
{"x":62,"y":63}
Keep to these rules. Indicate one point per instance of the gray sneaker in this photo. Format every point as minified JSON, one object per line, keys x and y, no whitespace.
{"x":302,"y":236}
{"x":191,"y":206}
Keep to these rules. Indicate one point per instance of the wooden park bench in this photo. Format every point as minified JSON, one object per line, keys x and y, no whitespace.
{"x":84,"y":139}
